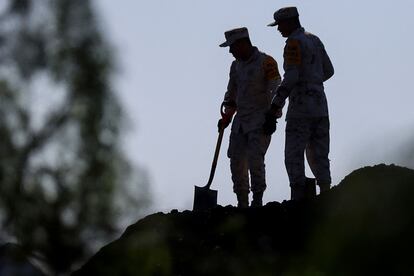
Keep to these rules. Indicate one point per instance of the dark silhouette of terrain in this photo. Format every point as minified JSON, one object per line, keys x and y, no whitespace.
{"x":363,"y":226}
{"x":14,"y":261}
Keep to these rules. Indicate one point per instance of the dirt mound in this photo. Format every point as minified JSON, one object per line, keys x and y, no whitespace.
{"x":363,"y":226}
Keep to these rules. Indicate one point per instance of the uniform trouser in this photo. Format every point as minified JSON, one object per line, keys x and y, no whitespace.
{"x":247,"y":153}
{"x":310,"y":135}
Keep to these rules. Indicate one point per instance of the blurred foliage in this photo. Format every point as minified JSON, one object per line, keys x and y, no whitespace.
{"x":64,"y":181}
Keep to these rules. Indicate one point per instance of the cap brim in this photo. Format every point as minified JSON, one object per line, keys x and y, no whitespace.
{"x":272,"y":24}
{"x":224,"y":44}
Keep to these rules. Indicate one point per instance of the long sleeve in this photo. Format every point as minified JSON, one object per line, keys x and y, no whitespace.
{"x":230,"y":95}
{"x":272,"y":75}
{"x":328,"y":69}
{"x":292,"y":59}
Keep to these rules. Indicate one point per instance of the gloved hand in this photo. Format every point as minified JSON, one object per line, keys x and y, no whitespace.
{"x":269,"y":126}
{"x":223,"y":123}
{"x":276,"y":111}
{"x":227,"y":110}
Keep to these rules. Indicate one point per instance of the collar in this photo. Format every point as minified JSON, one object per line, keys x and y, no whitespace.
{"x":253,"y":57}
{"x":296,"y":32}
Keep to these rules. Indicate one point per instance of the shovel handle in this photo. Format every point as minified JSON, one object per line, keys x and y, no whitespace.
{"x":217,"y":152}
{"x":216,"y":155}
{"x":222,"y":107}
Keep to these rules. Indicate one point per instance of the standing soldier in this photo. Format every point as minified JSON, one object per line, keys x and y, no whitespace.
{"x":306,"y":66}
{"x":254,"y":77}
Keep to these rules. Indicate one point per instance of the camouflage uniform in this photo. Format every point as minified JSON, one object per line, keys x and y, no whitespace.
{"x":306,"y":66}
{"x":251,"y":86}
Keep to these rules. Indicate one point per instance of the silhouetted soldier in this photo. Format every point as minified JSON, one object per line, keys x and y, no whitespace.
{"x":254,"y":77}
{"x":306,"y":66}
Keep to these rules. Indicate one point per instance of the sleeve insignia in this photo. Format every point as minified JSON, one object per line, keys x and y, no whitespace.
{"x":292,"y":54}
{"x":270,"y":69}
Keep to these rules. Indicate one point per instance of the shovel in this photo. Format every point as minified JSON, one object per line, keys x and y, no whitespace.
{"x":204,"y":197}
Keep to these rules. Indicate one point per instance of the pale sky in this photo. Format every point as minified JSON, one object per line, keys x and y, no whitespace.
{"x":172,"y":76}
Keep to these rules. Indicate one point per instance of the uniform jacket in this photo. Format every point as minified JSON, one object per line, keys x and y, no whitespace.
{"x":307,"y":66}
{"x":252,"y":85}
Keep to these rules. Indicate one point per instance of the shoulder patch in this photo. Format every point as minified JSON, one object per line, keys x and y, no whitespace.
{"x":292,"y":54}
{"x":270,"y":69}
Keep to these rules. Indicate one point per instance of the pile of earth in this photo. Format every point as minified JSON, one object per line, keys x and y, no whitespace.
{"x":363,"y":226}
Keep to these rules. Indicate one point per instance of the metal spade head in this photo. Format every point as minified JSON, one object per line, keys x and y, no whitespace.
{"x":204,"y":198}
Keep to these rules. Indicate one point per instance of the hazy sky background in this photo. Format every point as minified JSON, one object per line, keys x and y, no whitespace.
{"x":172,"y":77}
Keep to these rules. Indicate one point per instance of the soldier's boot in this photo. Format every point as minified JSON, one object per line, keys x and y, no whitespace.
{"x":242,"y":200}
{"x":257,"y":199}
{"x":310,"y":188}
{"x":297,"y":192}
{"x":324,"y":187}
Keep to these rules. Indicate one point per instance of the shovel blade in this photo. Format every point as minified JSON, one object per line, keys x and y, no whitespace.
{"x":204,"y":198}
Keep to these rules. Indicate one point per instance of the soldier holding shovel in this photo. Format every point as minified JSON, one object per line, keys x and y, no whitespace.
{"x":254,"y":77}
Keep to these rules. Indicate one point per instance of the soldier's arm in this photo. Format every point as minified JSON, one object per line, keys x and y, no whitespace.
{"x":272,"y":75}
{"x":328,"y":69}
{"x":230,"y":95}
{"x":292,"y":56}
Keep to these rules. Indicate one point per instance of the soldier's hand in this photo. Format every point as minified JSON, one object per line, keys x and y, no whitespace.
{"x":223,"y":123}
{"x":269,"y":126}
{"x":276,"y":111}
